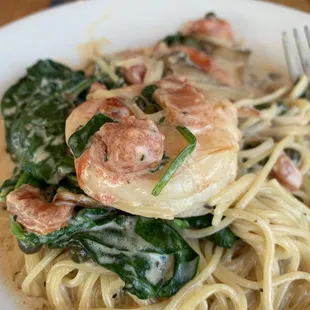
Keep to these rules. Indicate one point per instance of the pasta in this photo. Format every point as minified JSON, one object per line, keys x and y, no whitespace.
{"x":254,"y":252}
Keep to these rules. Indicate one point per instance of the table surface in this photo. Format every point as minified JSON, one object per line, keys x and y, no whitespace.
{"x":13,"y":9}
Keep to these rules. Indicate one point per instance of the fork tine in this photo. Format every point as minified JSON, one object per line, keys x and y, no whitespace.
{"x":291,"y":67}
{"x":307,"y":33}
{"x":299,"y":49}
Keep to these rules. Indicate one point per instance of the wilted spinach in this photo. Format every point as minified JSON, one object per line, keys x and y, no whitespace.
{"x":35,"y":110}
{"x":142,"y":251}
{"x":17,"y":180}
{"x":224,"y":238}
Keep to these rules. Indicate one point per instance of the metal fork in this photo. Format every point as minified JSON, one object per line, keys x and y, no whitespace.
{"x":300,"y":65}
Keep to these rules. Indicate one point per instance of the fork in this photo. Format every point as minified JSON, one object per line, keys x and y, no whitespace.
{"x":300,"y":65}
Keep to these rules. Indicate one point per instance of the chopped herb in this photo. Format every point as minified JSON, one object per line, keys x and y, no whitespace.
{"x":178,"y":161}
{"x":142,"y":157}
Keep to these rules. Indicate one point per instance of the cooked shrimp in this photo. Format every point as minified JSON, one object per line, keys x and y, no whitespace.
{"x":122,"y":151}
{"x":286,"y":172}
{"x":139,"y":69}
{"x":208,"y":64}
{"x":211,"y":26}
{"x":97,"y":86}
{"x":110,"y":102}
{"x":35,"y":213}
{"x":135,"y":74}
{"x":121,"y":165}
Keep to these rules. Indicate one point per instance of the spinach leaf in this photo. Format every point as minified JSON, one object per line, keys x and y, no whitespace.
{"x":148,"y":92}
{"x":146,"y":106}
{"x":70,"y":184}
{"x":79,"y":140}
{"x":35,"y":110}
{"x":142,"y":251}
{"x":179,"y":39}
{"x":146,"y":102}
{"x":173,"y":39}
{"x":177,"y":162}
{"x":224,"y":238}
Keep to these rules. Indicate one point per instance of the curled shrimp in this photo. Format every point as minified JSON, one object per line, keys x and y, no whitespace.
{"x":35,"y":213}
{"x":125,"y":160}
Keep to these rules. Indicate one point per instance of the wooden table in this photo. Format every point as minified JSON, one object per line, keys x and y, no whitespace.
{"x":13,"y":9}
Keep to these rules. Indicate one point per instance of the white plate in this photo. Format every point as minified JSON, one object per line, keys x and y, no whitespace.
{"x":57,"y":32}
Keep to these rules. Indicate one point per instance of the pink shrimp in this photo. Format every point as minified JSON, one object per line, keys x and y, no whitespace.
{"x":135,"y":74}
{"x":212,"y":26}
{"x":185,"y":105}
{"x":35,"y":213}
